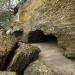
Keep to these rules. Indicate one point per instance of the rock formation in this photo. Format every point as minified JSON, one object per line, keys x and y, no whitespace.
{"x":38,"y":68}
{"x":23,"y":56}
{"x":55,"y":17}
{"x":30,"y":29}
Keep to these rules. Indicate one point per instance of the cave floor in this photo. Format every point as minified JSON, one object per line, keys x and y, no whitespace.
{"x":52,"y":56}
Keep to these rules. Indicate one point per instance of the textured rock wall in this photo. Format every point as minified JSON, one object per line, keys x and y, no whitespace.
{"x":14,"y":55}
{"x":38,"y":68}
{"x":55,"y":17}
{"x":51,"y":17}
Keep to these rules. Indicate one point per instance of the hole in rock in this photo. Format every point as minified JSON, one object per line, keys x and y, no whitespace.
{"x":38,"y":36}
{"x":18,"y":33}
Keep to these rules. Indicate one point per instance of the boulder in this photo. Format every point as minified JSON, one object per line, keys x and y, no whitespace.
{"x":25,"y":54}
{"x":38,"y":68}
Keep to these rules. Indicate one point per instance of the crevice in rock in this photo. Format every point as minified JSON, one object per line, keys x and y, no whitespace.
{"x":38,"y":36}
{"x":10,"y":56}
{"x":31,"y":61}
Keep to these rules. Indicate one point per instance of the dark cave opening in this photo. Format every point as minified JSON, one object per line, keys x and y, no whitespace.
{"x":18,"y":33}
{"x":39,"y":37}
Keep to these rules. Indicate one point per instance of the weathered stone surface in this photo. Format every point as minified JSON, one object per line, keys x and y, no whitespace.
{"x":38,"y":68}
{"x":7,"y":44}
{"x":7,"y":73}
{"x":66,"y":41}
{"x":55,"y":17}
{"x":25,"y":54}
{"x":15,"y":30}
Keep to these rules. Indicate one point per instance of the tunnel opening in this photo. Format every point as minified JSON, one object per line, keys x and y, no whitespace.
{"x":38,"y":36}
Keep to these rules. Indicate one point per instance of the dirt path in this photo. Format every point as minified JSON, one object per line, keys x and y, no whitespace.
{"x":51,"y":55}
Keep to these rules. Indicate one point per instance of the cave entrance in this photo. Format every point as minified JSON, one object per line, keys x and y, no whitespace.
{"x":39,"y":37}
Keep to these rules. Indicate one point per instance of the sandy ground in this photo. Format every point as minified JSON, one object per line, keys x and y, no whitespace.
{"x":52,"y":56}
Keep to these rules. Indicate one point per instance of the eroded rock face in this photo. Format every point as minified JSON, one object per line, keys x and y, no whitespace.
{"x":25,"y":54}
{"x":55,"y":17}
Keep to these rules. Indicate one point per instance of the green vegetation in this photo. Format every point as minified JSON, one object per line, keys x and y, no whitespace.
{"x":5,"y":18}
